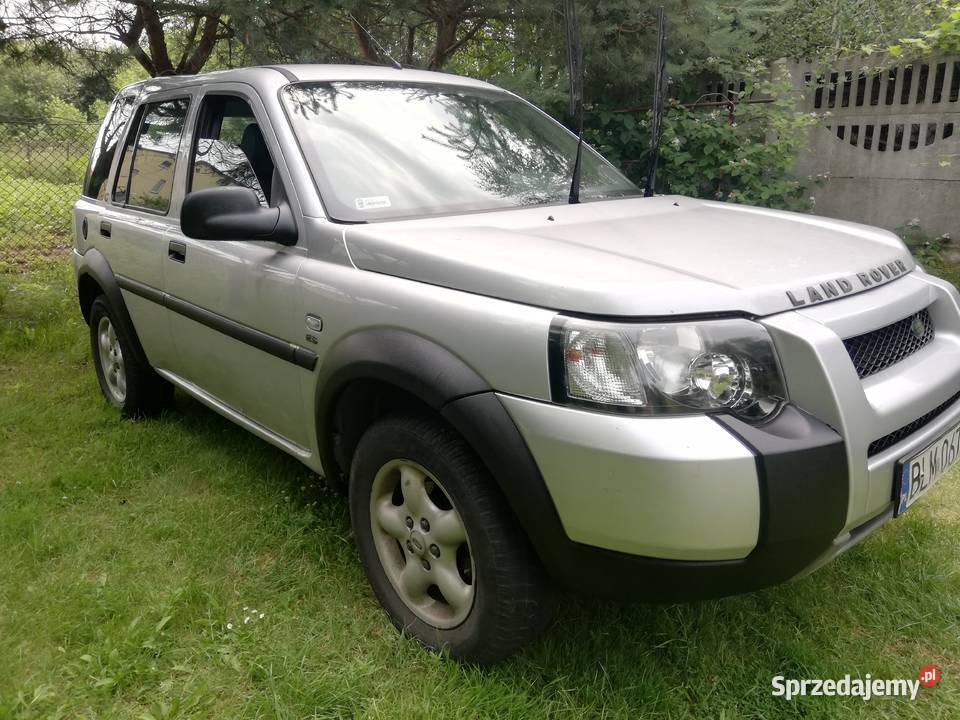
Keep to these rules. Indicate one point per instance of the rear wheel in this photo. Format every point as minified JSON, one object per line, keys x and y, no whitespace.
{"x":440,"y":547}
{"x":129,"y":385}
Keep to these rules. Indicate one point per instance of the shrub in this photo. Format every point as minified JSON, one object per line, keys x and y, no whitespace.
{"x":747,"y":158}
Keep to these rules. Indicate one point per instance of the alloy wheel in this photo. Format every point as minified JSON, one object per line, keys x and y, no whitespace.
{"x":111,"y":360}
{"x":422,"y":543}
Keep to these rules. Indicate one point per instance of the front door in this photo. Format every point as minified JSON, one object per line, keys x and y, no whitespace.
{"x":232,"y":302}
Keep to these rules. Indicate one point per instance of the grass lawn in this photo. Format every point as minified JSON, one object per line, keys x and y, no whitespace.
{"x":132,"y":554}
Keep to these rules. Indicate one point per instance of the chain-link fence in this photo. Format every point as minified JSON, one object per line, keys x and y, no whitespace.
{"x":41,"y":169}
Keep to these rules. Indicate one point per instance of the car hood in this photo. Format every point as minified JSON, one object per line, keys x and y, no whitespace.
{"x":637,"y":257}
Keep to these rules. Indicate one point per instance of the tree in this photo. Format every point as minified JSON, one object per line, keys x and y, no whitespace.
{"x":944,"y":35}
{"x":823,"y":29}
{"x":422,"y":34}
{"x":166,"y":37}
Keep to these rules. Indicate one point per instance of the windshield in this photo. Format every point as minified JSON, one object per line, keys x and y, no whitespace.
{"x":385,"y":150}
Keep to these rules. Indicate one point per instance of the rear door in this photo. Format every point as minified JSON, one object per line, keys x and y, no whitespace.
{"x":236,"y":298}
{"x":95,"y":193}
{"x":131,"y":226}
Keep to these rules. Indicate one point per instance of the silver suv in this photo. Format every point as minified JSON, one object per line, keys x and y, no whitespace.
{"x":379,"y":272}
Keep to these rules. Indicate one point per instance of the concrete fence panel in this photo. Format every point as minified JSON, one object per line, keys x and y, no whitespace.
{"x":888,"y":140}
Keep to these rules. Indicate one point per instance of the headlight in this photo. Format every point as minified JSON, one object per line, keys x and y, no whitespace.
{"x":714,"y":365}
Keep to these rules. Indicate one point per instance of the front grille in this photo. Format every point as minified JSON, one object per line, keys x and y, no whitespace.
{"x":877,"y":350}
{"x":888,"y":441}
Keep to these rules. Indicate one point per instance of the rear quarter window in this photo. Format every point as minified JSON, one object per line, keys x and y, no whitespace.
{"x":111,"y":132}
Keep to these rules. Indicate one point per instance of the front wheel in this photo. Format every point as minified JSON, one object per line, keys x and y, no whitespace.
{"x":439,"y":545}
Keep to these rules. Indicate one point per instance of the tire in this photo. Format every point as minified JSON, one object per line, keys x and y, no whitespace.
{"x":128,"y":384}
{"x":502,"y":599}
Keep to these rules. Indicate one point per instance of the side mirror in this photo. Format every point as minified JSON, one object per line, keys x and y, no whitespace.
{"x":235,"y":213}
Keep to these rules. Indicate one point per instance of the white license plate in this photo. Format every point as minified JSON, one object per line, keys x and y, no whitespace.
{"x":918,"y":474}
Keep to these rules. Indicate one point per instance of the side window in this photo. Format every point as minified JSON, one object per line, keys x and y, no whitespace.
{"x":230,"y":149}
{"x":108,"y":138}
{"x":145,"y":176}
{"x":122,"y":180}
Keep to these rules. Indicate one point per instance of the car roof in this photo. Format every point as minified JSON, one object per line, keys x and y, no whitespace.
{"x":270,"y":74}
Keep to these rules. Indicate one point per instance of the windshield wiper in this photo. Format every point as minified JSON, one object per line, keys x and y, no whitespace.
{"x":575,"y":69}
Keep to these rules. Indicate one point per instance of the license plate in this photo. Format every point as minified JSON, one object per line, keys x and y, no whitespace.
{"x":918,"y":474}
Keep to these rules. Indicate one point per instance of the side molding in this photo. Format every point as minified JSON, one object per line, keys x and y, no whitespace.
{"x":270,"y":344}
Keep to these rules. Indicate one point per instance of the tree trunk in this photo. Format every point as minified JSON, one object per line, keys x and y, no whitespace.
{"x":156,"y":40}
{"x":204,"y":48}
{"x":446,"y":41}
{"x":363,"y":40}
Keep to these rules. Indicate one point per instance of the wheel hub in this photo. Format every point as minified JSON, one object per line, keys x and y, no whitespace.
{"x":422,"y":543}
{"x":418,"y":545}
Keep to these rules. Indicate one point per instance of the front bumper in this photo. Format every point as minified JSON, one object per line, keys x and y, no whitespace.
{"x":685,"y":508}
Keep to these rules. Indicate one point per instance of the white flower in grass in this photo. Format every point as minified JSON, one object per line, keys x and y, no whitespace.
{"x":229,"y":626}
{"x":261,"y":616}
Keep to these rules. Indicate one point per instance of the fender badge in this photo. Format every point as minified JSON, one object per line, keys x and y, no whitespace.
{"x":314,"y":323}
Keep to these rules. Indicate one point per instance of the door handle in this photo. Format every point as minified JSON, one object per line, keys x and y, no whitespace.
{"x":177,"y":251}
{"x":106,"y":229}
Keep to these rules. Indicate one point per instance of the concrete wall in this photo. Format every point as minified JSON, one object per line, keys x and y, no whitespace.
{"x":888,"y":140}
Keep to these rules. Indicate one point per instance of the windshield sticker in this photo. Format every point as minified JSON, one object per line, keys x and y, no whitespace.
{"x":374,"y":202}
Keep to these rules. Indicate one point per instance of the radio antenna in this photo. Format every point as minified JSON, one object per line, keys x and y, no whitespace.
{"x":380,"y":47}
{"x":575,"y":71}
{"x":656,"y":127}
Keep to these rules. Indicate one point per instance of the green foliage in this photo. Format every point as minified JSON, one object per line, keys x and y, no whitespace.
{"x":944,"y":36}
{"x":925,"y":248}
{"x":705,"y":154}
{"x":822,"y":29}
{"x":930,"y":251}
{"x":747,"y":159}
{"x":526,"y":52}
{"x":28,"y":88}
{"x":41,"y":168}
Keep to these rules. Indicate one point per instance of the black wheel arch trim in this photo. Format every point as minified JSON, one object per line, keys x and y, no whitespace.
{"x":487,"y":427}
{"x":398,"y":358}
{"x":95,"y":266}
{"x":443,"y":382}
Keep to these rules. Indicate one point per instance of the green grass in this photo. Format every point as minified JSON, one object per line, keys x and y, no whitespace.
{"x":126,"y":548}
